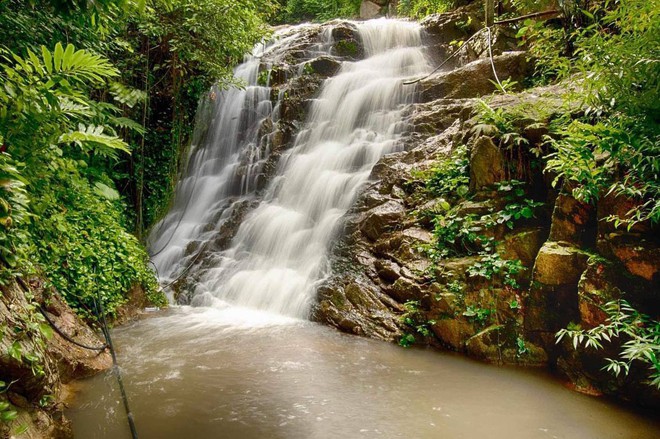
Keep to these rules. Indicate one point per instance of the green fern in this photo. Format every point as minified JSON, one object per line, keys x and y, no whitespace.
{"x":93,"y":136}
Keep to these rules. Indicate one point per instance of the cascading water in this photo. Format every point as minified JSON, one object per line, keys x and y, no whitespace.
{"x":279,"y":251}
{"x":226,"y":158}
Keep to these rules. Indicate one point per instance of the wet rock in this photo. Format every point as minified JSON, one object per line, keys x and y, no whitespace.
{"x":353,"y":306}
{"x":480,"y":346}
{"x":344,"y":31}
{"x":404,"y":290}
{"x":486,"y":164}
{"x":382,"y":219}
{"x":388,"y":270}
{"x":278,"y":75}
{"x":472,"y":80}
{"x":324,"y":66}
{"x":453,"y":333}
{"x":347,"y":41}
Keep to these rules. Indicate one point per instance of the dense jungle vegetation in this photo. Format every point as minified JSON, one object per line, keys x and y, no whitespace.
{"x":97,"y":100}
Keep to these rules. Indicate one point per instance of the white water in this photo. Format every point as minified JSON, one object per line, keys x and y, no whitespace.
{"x":224,"y":163}
{"x":279,"y":252}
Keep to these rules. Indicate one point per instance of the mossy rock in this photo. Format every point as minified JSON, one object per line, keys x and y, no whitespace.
{"x":348,"y":49}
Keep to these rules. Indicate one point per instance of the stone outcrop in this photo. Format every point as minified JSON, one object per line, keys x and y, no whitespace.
{"x":377,"y":8}
{"x":369,"y":9}
{"x":486,"y":164}
{"x":572,"y":261}
{"x":472,"y":80}
{"x":37,"y":360}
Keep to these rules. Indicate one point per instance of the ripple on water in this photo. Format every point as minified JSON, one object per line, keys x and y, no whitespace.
{"x":300,"y":380}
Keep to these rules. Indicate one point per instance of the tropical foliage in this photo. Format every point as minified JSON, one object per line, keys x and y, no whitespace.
{"x":93,"y":126}
{"x":422,"y":8}
{"x":295,"y":11}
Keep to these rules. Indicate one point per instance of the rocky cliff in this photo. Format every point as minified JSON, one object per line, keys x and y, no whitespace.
{"x":522,"y":258}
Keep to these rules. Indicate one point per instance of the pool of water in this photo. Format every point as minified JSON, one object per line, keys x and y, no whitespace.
{"x":235,"y":373}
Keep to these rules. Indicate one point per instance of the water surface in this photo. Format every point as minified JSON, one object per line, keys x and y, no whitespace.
{"x":234,"y":373}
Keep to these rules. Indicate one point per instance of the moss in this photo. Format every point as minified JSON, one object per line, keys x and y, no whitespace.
{"x":346,"y":48}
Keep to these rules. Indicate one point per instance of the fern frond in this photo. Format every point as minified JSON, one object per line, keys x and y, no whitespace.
{"x":93,"y":136}
{"x":127,"y":95}
{"x":77,"y":64}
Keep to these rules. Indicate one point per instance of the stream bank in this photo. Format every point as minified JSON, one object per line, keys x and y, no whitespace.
{"x":40,"y":364}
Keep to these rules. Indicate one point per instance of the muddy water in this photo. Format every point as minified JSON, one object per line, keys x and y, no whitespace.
{"x":209,"y":373}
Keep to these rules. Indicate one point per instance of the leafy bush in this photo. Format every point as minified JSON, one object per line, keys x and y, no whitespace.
{"x":640,"y":332}
{"x":449,"y":177}
{"x":422,"y":8}
{"x":81,"y":244}
{"x":414,"y":317}
{"x":296,"y":11}
{"x":58,"y":215}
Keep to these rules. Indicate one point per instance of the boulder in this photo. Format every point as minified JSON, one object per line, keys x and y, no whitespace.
{"x":382,"y":219}
{"x":552,"y":302}
{"x":403,"y":290}
{"x":474,"y":79}
{"x":524,"y":245}
{"x":453,"y":25}
{"x":453,"y":333}
{"x":387,"y":270}
{"x":357,"y":307}
{"x":369,"y":9}
{"x":486,"y":164}
{"x":324,"y":66}
{"x":559,"y":264}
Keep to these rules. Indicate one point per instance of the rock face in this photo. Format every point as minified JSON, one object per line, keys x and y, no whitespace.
{"x":472,"y":80}
{"x":486,"y":164}
{"x":386,"y":284}
{"x":369,"y":9}
{"x":38,"y":360}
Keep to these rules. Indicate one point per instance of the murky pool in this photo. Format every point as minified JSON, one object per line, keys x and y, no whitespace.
{"x":208,"y":373}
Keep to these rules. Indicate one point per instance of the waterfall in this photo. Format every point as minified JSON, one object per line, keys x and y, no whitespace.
{"x":279,"y":253}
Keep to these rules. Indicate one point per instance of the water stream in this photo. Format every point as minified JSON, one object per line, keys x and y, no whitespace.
{"x":279,"y":251}
{"x":243,"y":363}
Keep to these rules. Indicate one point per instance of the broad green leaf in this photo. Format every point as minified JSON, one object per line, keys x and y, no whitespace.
{"x":15,"y":350}
{"x":106,"y":191}
{"x":57,"y":56}
{"x":48,"y":59}
{"x":9,"y":415}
